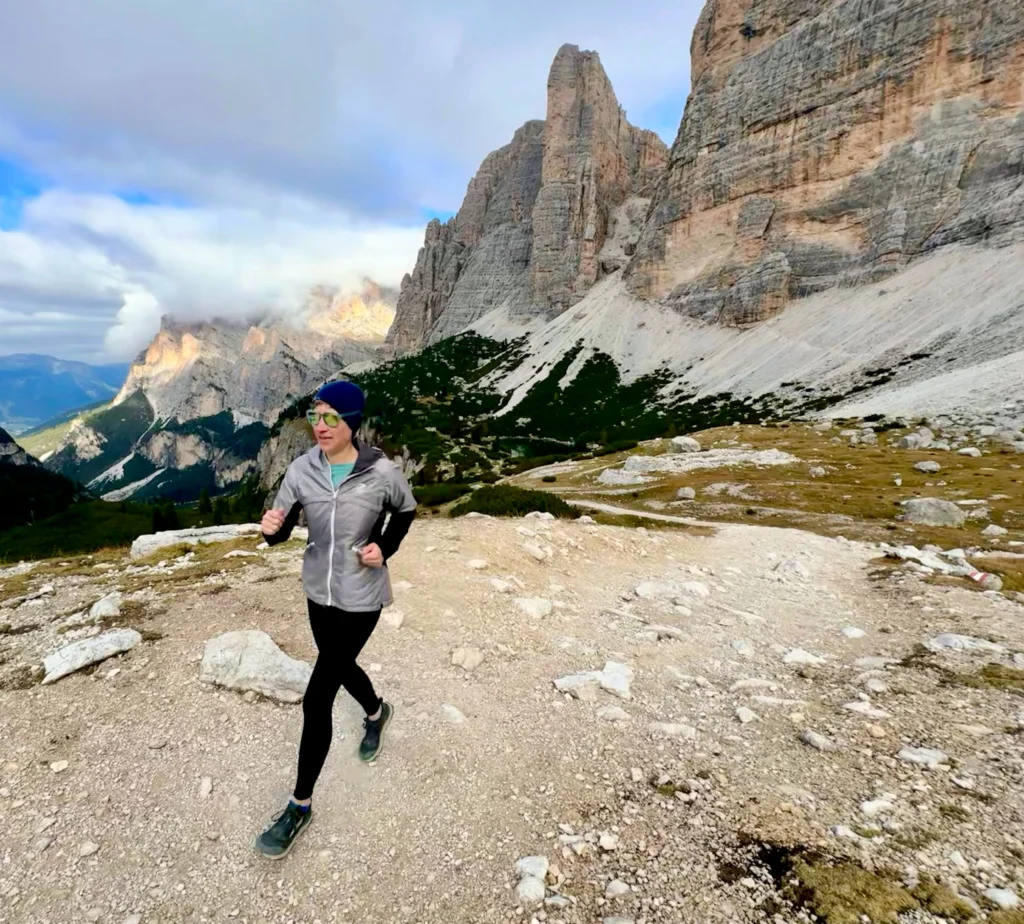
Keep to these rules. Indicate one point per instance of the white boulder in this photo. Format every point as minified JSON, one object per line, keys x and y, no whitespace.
{"x":81,"y":654}
{"x":250,"y":660}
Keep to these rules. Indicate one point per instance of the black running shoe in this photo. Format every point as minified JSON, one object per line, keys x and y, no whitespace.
{"x":277,"y":840}
{"x":373,"y":740}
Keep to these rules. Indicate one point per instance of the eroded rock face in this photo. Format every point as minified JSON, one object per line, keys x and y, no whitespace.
{"x":200,"y":370}
{"x":534,"y":230}
{"x":827,"y":143}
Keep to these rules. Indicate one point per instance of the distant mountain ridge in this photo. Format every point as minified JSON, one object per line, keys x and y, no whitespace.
{"x":35,"y":388}
{"x":196,"y":405}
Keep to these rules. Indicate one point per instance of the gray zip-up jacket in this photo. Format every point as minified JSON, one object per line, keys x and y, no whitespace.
{"x":342,"y":519}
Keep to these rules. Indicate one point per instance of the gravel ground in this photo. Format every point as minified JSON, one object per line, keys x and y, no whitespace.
{"x":689,"y":819}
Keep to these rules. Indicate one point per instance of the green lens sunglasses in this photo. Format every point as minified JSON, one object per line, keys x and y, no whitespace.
{"x":329,"y":418}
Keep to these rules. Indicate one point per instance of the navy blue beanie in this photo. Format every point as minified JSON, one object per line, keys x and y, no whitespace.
{"x":347,"y":399}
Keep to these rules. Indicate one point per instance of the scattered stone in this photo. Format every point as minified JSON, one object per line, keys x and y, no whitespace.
{"x":686,"y":494}
{"x":876,"y":807}
{"x":157,"y":744}
{"x":59,"y":766}
{"x":534,"y":607}
{"x":790,"y":568}
{"x":394,"y":618}
{"x":818,"y":472}
{"x":672,"y":730}
{"x":1002,"y":898}
{"x":752,"y":683}
{"x":743,"y":649}
{"x":854,"y":632}
{"x":662,"y":632}
{"x":88,"y":651}
{"x":695,"y":590}
{"x":745,"y":715}
{"x":683,"y":444}
{"x":205,"y":787}
{"x":874,"y":663}
{"x":925,"y":757}
{"x":616,"y":889}
{"x":875,"y":685}
{"x":451,"y":714}
{"x":502,"y":587}
{"x":107,"y":607}
{"x":469,"y":659}
{"x":88,"y":849}
{"x":864,"y":708}
{"x":535,"y":551}
{"x":616,"y":919}
{"x":242,"y":553}
{"x":922,"y":439}
{"x":608,"y":842}
{"x":477,"y":564}
{"x":799,"y":656}
{"x":249,"y":659}
{"x":933,"y":511}
{"x":530,"y":892}
{"x":536,"y":866}
{"x":817,"y":741}
{"x":971,"y":451}
{"x":950,"y":640}
{"x":928,"y":467}
{"x":993,"y":531}
{"x":613,"y":714}
{"x":655,"y":590}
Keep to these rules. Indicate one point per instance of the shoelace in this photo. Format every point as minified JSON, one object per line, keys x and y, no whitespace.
{"x":290,"y":818}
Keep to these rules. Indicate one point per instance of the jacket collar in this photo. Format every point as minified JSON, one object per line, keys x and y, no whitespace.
{"x":366,"y":457}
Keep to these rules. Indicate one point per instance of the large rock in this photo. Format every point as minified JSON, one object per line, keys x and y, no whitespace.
{"x":81,"y":654}
{"x":933,"y":511}
{"x":683,"y":444}
{"x":249,"y":660}
{"x":806,"y":120}
{"x":544,"y":216}
{"x":151,"y":542}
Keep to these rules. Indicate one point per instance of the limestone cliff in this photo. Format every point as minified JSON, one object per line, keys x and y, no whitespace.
{"x":532,"y":234}
{"x":828,"y":143}
{"x":255,"y":370}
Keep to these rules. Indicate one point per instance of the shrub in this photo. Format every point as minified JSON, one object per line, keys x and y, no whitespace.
{"x":502,"y":500}
{"x":433,"y":495}
{"x":549,"y":479}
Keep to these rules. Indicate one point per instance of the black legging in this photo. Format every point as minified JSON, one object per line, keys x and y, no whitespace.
{"x":339,"y":637}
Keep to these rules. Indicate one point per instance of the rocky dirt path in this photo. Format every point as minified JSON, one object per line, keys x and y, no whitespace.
{"x":132,"y":793}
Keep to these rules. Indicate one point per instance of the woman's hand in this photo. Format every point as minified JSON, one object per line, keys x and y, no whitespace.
{"x":371,"y":556}
{"x":272,"y":521}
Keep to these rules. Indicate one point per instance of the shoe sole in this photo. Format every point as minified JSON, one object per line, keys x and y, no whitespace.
{"x":383,"y":728}
{"x":288,"y":849}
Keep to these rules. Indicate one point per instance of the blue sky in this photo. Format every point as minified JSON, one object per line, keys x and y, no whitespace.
{"x":205,"y":157}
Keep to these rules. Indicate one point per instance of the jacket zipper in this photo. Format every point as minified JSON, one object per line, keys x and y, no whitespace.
{"x":334,"y":512}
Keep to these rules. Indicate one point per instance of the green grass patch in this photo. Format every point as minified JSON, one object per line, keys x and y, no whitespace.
{"x":841,"y":893}
{"x":434,"y":495}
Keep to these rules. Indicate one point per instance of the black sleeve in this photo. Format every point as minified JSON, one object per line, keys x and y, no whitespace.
{"x":392,"y":536}
{"x":290,"y":519}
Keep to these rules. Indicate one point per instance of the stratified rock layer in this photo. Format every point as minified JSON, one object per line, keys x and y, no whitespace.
{"x":827,"y":143}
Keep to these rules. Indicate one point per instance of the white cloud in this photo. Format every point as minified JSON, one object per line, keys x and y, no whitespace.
{"x":306,"y":136}
{"x":123,"y":266}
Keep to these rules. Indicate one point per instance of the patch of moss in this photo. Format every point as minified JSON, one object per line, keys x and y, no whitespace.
{"x":956,"y":812}
{"x":841,"y":893}
{"x":916,"y":838}
{"x":942,"y":901}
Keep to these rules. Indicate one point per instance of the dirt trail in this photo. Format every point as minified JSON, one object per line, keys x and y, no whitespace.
{"x":431,"y":833}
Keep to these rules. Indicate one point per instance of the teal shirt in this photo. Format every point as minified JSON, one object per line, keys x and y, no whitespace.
{"x":340,"y":472}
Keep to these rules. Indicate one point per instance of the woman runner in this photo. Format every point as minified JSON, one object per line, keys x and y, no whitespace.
{"x":347,"y":490}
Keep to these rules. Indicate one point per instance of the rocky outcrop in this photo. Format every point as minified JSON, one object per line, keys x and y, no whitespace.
{"x":254,"y":370}
{"x":538,"y":215}
{"x":594,"y":160}
{"x":828,"y":143}
{"x":11,"y":453}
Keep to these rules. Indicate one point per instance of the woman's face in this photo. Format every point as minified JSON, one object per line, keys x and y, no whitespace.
{"x":331,"y":439}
